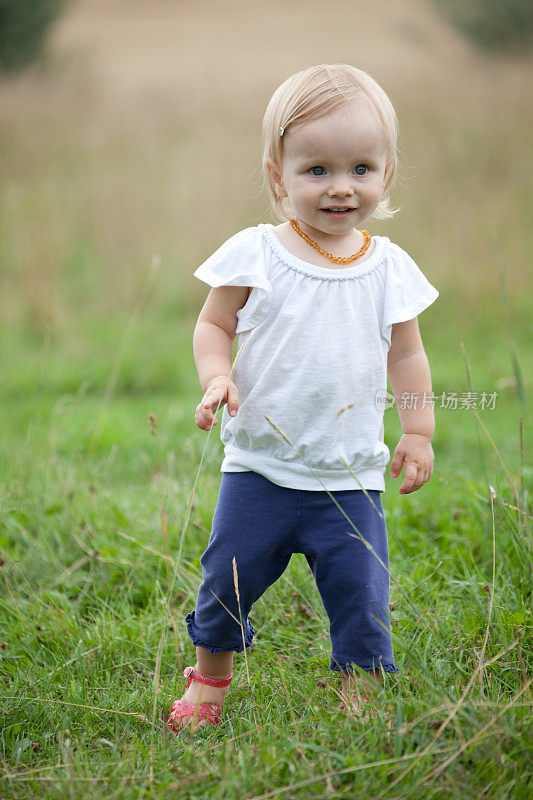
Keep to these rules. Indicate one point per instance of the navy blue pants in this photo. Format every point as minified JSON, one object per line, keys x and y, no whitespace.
{"x":262,"y":524}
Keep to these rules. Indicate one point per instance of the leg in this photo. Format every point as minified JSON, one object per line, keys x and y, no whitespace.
{"x":368,"y":682}
{"x":216,"y":666}
{"x":359,"y":693}
{"x":255,"y":522}
{"x":352,"y":579}
{"x":357,"y":689}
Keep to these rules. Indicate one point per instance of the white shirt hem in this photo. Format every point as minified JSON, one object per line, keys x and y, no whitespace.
{"x":296,"y":475}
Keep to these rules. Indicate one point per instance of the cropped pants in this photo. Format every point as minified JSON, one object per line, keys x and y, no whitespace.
{"x":262,"y":524}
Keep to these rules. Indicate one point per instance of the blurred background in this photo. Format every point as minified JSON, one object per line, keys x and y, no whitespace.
{"x":130,"y":139}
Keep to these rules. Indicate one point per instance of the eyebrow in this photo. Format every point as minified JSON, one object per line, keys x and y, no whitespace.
{"x":315,"y":162}
{"x":315,"y":156}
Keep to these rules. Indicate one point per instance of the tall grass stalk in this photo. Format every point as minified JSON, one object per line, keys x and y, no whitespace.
{"x":236,"y":585}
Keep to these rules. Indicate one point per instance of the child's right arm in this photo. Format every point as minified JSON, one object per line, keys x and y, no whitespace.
{"x":213,"y":351}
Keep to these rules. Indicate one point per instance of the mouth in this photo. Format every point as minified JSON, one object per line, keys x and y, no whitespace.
{"x":338,"y":211}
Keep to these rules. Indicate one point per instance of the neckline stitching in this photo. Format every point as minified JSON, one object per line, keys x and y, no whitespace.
{"x":299,"y":265}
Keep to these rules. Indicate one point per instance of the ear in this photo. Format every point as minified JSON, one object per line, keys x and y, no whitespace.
{"x":275,"y":174}
{"x":386,"y":176}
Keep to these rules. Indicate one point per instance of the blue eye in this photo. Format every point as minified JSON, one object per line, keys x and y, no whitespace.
{"x":361,"y":169}
{"x":312,"y":170}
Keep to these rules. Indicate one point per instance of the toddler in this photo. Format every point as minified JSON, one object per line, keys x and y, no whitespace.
{"x":325,"y":312}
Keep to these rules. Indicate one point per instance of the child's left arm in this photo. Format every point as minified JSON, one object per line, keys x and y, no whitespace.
{"x":409,"y":373}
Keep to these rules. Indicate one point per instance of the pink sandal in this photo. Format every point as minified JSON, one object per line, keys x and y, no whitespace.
{"x":207,"y":711}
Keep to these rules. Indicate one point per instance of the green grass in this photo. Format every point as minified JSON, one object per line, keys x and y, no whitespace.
{"x":97,"y":517}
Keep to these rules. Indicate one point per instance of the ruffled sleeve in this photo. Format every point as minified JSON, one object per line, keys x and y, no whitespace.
{"x":407,"y":292}
{"x":241,"y":261}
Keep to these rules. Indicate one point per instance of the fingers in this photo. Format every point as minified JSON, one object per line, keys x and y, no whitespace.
{"x":205,"y":410}
{"x":213,"y":399}
{"x":415,"y":477}
{"x":396,"y":466}
{"x":233,"y":400}
{"x":410,"y":483}
{"x":204,"y":420}
{"x":205,"y":413}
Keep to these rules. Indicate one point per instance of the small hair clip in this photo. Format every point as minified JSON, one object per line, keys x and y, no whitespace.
{"x":281,"y":131}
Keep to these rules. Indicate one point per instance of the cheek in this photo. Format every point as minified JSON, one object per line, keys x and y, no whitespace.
{"x":300,"y":191}
{"x":375,"y":189}
{"x":308,"y":191}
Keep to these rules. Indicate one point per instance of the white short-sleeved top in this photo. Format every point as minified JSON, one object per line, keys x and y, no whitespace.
{"x":315,"y":342}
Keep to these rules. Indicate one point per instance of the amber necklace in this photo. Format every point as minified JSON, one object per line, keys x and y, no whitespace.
{"x":336,"y":259}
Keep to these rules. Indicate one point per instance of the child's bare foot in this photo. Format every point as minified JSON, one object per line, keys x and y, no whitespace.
{"x":358,"y":706}
{"x":359,"y":695}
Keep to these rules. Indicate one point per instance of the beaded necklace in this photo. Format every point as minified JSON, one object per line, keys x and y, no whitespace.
{"x":336,"y":259}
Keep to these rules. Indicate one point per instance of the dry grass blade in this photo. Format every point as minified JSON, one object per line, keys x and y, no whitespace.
{"x":236,"y":584}
{"x":75,"y":567}
{"x":346,"y":771}
{"x":362,"y":488}
{"x":427,"y":578}
{"x":478,"y":735}
{"x":34,"y":699}
{"x":225,"y":606}
{"x":407,"y":726}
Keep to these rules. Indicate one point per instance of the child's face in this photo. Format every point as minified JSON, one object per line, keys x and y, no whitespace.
{"x":339,"y":160}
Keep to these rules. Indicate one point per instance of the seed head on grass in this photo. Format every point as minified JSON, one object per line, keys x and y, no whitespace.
{"x":343,"y":409}
{"x":236,"y":584}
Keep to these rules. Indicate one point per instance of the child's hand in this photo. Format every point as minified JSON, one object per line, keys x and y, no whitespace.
{"x":219,"y":390}
{"x":415,"y":449}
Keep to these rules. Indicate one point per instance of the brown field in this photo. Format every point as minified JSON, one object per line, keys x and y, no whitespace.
{"x":141,"y":136}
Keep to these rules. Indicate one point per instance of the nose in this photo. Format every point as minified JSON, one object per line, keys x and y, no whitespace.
{"x":340,"y":188}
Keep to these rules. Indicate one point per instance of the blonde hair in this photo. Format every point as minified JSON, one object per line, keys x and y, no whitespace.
{"x":312,"y":93}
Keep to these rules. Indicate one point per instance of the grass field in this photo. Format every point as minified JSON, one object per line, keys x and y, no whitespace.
{"x":126,"y":161}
